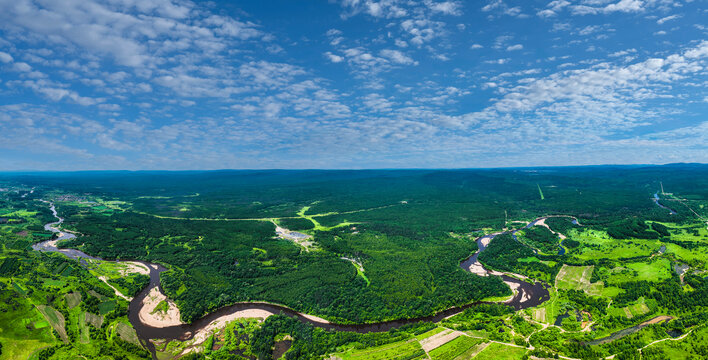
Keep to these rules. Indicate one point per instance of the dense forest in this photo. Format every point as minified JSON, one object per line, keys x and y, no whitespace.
{"x":375,"y":245}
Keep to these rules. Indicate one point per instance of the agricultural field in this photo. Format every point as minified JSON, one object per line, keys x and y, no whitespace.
{"x":46,"y":306}
{"x":578,"y":278}
{"x":462,"y":347}
{"x":496,"y":351}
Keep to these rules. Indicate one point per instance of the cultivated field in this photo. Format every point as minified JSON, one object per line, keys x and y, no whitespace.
{"x":578,"y":278}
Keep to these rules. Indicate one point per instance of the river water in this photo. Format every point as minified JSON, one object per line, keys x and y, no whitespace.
{"x":526,"y":295}
{"x":656,"y":201}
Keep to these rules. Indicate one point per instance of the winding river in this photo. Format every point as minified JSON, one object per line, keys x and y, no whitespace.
{"x":656,"y":201}
{"x":525,"y":295}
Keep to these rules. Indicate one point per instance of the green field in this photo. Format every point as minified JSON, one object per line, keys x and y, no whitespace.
{"x":578,"y":278}
{"x":500,"y":352}
{"x":55,"y":319}
{"x":400,"y":350}
{"x":652,"y":270}
{"x":459,"y":348}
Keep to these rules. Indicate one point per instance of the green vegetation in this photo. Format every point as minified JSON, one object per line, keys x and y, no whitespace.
{"x":460,"y":347}
{"x":385,"y":245}
{"x":501,"y":352}
{"x":561,"y":224}
{"x":540,"y":238}
{"x":46,"y":307}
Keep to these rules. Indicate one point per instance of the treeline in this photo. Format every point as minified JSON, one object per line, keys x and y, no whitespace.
{"x":131,"y":284}
{"x":296,"y":224}
{"x":631,"y":228}
{"x":542,"y":239}
{"x":561,"y":224}
{"x":214,"y":264}
{"x":311,"y":343}
{"x":503,"y":253}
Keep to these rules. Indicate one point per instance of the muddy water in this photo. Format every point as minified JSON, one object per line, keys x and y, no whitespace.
{"x":528,"y":295}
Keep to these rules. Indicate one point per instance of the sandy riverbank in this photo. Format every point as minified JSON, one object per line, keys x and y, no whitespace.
{"x":159,"y":319}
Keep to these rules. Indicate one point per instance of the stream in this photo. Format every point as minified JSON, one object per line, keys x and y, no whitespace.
{"x":525,"y":295}
{"x":656,"y":201}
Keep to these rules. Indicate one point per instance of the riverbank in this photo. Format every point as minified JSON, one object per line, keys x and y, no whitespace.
{"x":164,"y":324}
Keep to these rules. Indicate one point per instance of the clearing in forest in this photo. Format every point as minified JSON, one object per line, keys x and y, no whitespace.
{"x":127,"y":333}
{"x":497,"y":351}
{"x":460,"y":348}
{"x":72,"y":299}
{"x":439,"y":339}
{"x":539,"y":315}
{"x":56,"y":320}
{"x":408,"y":349}
{"x":578,"y":278}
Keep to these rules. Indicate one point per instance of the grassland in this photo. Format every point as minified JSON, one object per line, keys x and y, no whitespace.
{"x":409,"y":349}
{"x":462,"y":347}
{"x":46,"y":306}
{"x":496,"y":351}
{"x":657,"y":269}
{"x":578,"y":278}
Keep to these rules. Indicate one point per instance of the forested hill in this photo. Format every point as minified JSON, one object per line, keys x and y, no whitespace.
{"x":404,"y":231}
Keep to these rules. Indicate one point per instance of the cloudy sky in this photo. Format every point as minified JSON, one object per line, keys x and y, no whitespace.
{"x":173,"y":84}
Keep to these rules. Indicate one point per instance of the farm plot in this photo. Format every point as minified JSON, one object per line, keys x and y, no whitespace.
{"x":93,"y":319}
{"x":578,"y":278}
{"x":127,"y":333}
{"x":72,"y":299}
{"x":462,"y":347}
{"x":496,"y":351}
{"x":56,"y":319}
{"x":409,"y":349}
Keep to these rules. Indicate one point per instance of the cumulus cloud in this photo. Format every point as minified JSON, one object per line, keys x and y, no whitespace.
{"x":445,"y":7}
{"x":21,"y":66}
{"x":5,"y":57}
{"x":625,"y":6}
{"x":606,"y":97}
{"x":176,"y":84}
{"x":667,"y":18}
{"x":584,"y":7}
{"x":334,"y":58}
{"x":398,"y":57}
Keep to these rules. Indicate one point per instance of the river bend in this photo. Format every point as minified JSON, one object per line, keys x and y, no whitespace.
{"x":525,"y":295}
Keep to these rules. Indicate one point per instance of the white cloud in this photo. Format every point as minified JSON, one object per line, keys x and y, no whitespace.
{"x":501,"y":7}
{"x":380,"y":9}
{"x":668,"y":18}
{"x":625,"y":6}
{"x":333,"y":57}
{"x":377,"y":103}
{"x":5,"y":57}
{"x":398,"y":57}
{"x":553,"y":7}
{"x":422,"y":30}
{"x":21,"y":66}
{"x":445,"y":7}
{"x":514,"y":47}
{"x":603,"y":98}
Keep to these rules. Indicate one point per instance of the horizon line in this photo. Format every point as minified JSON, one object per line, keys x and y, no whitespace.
{"x":352,"y":169}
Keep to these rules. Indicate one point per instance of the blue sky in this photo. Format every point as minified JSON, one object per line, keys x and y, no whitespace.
{"x":171,"y":84}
